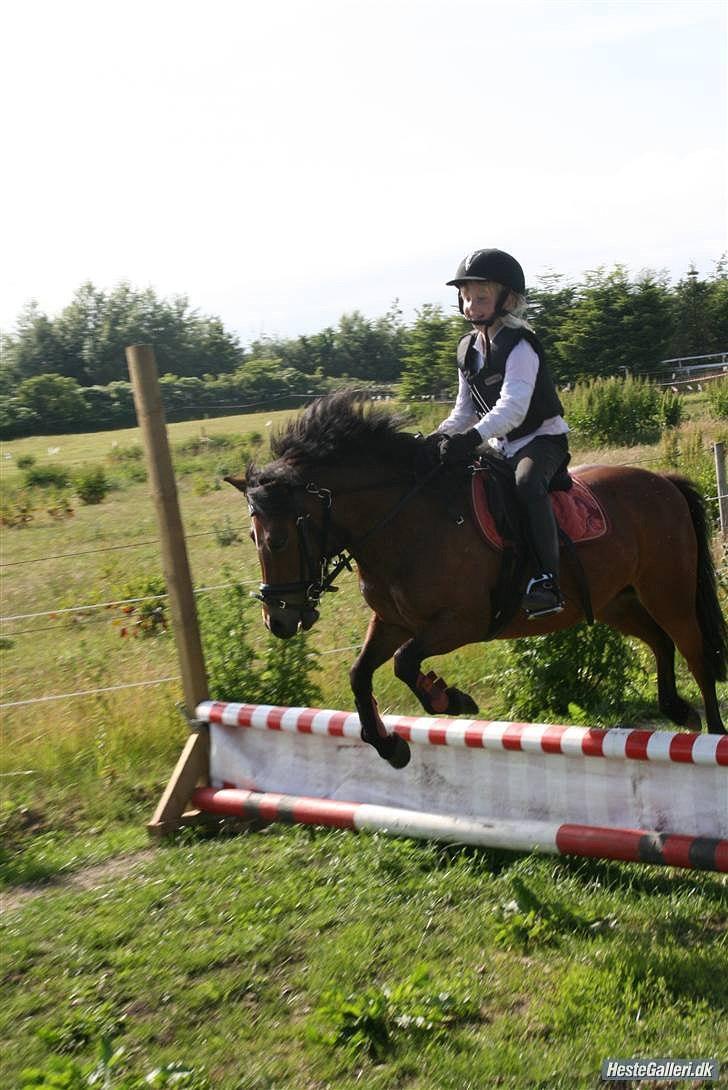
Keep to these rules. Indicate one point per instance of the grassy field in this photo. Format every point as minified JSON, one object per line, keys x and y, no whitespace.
{"x":287,"y":958}
{"x":297,"y":959}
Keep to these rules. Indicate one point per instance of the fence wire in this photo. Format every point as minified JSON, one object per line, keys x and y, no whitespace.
{"x":108,"y":548}
{"x":133,"y":685}
{"x":120,"y":602}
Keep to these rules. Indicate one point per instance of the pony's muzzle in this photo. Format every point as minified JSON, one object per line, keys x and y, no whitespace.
{"x":285,"y":623}
{"x":280,"y":624}
{"x":309,"y":616}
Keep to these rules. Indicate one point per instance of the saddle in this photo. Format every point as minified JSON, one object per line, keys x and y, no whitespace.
{"x":579,"y":515}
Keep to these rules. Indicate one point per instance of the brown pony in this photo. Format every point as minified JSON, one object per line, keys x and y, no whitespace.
{"x":344,"y":479}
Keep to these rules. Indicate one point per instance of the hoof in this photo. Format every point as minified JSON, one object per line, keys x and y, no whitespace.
{"x":395,"y":750}
{"x":390,"y":748}
{"x":460,"y":703}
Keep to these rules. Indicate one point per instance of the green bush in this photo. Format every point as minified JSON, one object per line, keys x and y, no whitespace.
{"x":587,"y":673}
{"x":614,"y":411}
{"x":25,"y":461}
{"x":16,"y":507}
{"x":225,"y":533}
{"x":143,"y":618}
{"x":128,"y":463}
{"x":285,"y":676}
{"x":47,"y":477}
{"x":133,"y":472}
{"x":688,"y":453}
{"x":120,"y":455}
{"x":218,"y":455}
{"x":203,"y":444}
{"x":282,"y":675}
{"x":718,"y":398}
{"x":92,"y":485}
{"x":670,"y":412}
{"x":229,"y":655}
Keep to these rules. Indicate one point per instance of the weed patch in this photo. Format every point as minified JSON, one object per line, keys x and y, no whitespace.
{"x":531,"y":920}
{"x":375,"y":1022}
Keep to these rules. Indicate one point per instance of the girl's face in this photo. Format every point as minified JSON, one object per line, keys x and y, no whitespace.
{"x":479,"y":299}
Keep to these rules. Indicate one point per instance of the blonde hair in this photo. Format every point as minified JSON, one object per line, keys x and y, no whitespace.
{"x":515,"y":316}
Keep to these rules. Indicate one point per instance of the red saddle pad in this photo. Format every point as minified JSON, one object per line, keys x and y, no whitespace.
{"x":578,"y":512}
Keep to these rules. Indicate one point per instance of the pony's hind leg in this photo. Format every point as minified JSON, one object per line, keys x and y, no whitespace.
{"x":675,"y":614}
{"x":380,"y":644}
{"x":691,"y":646}
{"x":627,"y":614}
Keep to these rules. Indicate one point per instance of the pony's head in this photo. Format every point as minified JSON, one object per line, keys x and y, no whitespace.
{"x":292,"y":524}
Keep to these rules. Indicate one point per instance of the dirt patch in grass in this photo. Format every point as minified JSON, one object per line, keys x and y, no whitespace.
{"x":93,"y":877}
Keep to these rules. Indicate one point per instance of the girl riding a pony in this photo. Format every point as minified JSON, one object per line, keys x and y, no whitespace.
{"x":507,"y":398}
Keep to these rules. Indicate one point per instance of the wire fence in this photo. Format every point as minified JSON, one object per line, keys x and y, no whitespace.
{"x":119,"y":602}
{"x":108,"y":548}
{"x":134,"y":685}
{"x":84,"y":609}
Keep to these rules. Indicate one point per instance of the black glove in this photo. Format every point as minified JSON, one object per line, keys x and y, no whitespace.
{"x":458,"y":450}
{"x":427,"y":455}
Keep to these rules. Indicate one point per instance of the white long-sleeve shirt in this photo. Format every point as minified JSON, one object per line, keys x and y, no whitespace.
{"x":511,"y":407}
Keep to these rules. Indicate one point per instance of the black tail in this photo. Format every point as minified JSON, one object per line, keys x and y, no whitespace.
{"x":707,"y":605}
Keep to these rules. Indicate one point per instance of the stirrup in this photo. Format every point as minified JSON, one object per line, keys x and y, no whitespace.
{"x":534,"y":614}
{"x":542,"y":596}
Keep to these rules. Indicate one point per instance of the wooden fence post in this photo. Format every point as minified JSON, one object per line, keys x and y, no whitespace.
{"x":720,"y":476}
{"x":193,"y":764}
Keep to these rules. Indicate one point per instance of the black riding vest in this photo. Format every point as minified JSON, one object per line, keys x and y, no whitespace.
{"x":489,"y":380}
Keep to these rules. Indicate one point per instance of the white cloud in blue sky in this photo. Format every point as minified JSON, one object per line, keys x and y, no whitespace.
{"x":281,"y":163}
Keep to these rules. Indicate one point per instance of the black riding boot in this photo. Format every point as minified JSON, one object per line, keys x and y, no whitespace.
{"x":534,"y":467}
{"x":543,"y":594}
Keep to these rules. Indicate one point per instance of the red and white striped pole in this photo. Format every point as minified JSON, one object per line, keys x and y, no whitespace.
{"x":497,"y":784}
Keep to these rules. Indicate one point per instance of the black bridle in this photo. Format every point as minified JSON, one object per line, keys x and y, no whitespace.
{"x":318,"y":577}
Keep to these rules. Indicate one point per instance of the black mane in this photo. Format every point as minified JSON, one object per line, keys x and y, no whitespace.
{"x":335,"y":429}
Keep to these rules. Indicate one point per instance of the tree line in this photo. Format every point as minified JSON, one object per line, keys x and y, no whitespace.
{"x":69,"y":372}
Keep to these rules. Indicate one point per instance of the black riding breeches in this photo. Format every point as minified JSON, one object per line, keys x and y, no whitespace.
{"x":535,"y":466}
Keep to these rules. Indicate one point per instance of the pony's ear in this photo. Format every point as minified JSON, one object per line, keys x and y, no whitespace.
{"x":237,"y":482}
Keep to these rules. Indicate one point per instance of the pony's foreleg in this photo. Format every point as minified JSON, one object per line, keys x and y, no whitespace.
{"x":381,"y":642}
{"x":433,"y":693}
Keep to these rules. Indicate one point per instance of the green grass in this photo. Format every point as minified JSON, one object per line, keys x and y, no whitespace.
{"x":290,"y":958}
{"x":297,"y":958}
{"x":96,"y":446}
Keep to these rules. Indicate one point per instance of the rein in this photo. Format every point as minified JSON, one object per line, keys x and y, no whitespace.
{"x":317,"y":579}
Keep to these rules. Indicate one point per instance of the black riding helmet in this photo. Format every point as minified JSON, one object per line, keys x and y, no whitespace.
{"x":494,"y":265}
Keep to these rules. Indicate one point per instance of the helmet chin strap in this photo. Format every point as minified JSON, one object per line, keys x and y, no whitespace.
{"x":484,"y":324}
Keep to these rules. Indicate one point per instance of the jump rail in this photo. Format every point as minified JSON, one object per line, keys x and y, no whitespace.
{"x":637,"y":795}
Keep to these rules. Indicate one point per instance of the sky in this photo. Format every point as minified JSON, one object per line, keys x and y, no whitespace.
{"x":283,"y":162}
